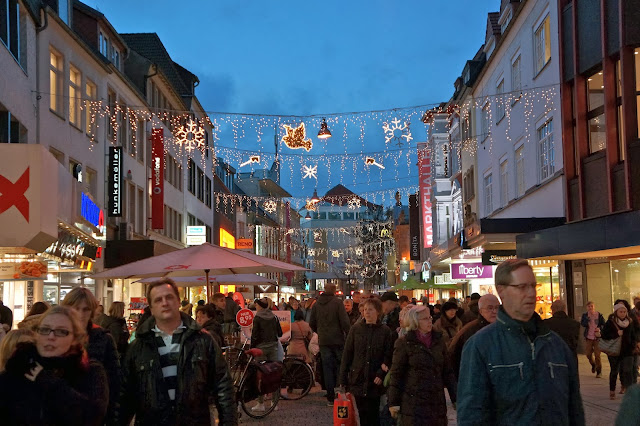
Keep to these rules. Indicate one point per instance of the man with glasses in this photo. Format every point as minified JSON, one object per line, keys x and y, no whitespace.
{"x":488,"y":312}
{"x":516,"y":371}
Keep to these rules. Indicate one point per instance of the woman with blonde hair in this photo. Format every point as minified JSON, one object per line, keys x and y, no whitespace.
{"x":100,"y":345}
{"x":52,"y":380}
{"x":116,"y":325}
{"x":420,"y":370}
{"x":11,"y":342}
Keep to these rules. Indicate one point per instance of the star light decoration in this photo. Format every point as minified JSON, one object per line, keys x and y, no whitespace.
{"x":354,"y":203}
{"x":359,"y":251}
{"x":335,"y":253}
{"x":296,"y":138}
{"x":310,"y":172}
{"x":270,"y":206}
{"x":312,"y":252}
{"x":390,"y":131}
{"x":190,"y":136}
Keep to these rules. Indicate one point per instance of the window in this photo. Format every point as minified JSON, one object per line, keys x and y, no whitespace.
{"x":348,"y":215}
{"x":140,"y":140}
{"x":485,"y":119}
{"x":542,"y":45}
{"x":519,"y":156}
{"x":11,"y":129}
{"x":334,"y":216}
{"x":58,"y":155}
{"x":111,"y":117}
{"x":200,"y":191}
{"x":132,"y":195}
{"x":115,"y":57}
{"x":468,"y":185}
{"x":75,"y":96}
{"x":500,"y":101}
{"x":504,"y":183}
{"x":191,"y":184}
{"x":12,"y":30}
{"x":90,"y":93}
{"x":488,"y":194}
{"x":516,"y":83}
{"x":506,"y":19}
{"x":103,"y":44}
{"x":91,"y":178}
{"x":545,"y":150}
{"x":207,"y":191}
{"x":75,"y":168}
{"x":63,"y":11}
{"x":140,"y":221}
{"x":56,"y":67}
{"x":595,"y":114}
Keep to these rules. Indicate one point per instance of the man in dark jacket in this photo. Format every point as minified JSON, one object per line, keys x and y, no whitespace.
{"x":230,"y":311}
{"x":168,"y":343}
{"x":516,"y":371}
{"x":488,"y":306}
{"x":206,"y":318}
{"x":567,"y":328}
{"x":473,"y":311}
{"x":6,"y":317}
{"x":391,"y":310}
{"x":330,"y":320}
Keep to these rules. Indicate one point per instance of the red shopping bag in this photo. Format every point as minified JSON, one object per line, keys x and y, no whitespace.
{"x":345,"y":411}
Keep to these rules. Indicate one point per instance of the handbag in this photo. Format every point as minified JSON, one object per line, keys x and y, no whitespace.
{"x":611,"y":347}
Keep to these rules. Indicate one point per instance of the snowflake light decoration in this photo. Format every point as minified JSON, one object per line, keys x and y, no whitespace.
{"x":312,"y":252}
{"x":390,"y":131}
{"x":190,"y":136}
{"x":310,"y":172}
{"x":297,"y":138}
{"x":317,"y":236}
{"x":370,"y":227}
{"x":335,"y":253}
{"x":270,"y":206}
{"x":359,"y":251}
{"x":354,"y":203}
{"x":347,"y":271}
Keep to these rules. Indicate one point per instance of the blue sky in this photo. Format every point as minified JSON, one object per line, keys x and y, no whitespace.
{"x":286,"y":57}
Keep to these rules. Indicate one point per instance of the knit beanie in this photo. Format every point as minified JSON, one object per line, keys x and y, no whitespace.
{"x":449,"y":305}
{"x":618,"y":306}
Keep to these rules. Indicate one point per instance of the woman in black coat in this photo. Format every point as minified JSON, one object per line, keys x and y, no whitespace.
{"x":53,"y":382}
{"x":620,"y":324}
{"x":420,"y":370}
{"x":116,"y":325}
{"x":365,"y":361}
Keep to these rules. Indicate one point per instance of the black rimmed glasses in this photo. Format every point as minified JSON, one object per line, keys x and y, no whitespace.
{"x":524,"y":286}
{"x":58,"y":332}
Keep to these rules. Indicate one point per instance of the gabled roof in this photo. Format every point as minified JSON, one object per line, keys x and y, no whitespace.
{"x":150,"y":46}
{"x":98,"y":16}
{"x":339,"y":196}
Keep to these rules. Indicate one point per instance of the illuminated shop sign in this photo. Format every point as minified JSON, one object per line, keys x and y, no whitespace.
{"x":465,"y":271}
{"x":115,"y":181}
{"x":91,"y":212}
{"x":69,"y":247}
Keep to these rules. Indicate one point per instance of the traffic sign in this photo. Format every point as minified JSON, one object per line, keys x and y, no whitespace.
{"x":244,"y":317}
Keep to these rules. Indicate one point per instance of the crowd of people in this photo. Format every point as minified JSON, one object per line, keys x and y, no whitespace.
{"x":496,"y":359}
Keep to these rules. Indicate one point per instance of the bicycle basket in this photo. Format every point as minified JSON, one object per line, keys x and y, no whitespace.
{"x":268,"y":376}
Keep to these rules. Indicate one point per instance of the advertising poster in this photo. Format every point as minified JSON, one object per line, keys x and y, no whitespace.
{"x":285,"y":322}
{"x":27,"y":270}
{"x":157,"y":179}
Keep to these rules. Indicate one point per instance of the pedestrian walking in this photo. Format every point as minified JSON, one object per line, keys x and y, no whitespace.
{"x":173,"y":367}
{"x":116,"y":325}
{"x":99,"y":316}
{"x":230,"y":310}
{"x":488,"y":306}
{"x":266,"y":331}
{"x":391,"y":309}
{"x":53,"y":381}
{"x":301,"y":335}
{"x":100,"y":344}
{"x":366,"y":360}
{"x":330,"y":320}
{"x":516,"y":371}
{"x":593,"y":322}
{"x":354,"y":315}
{"x":567,"y":328}
{"x":12,"y":340}
{"x":619,"y":324}
{"x":206,"y":318}
{"x":420,"y":371}
{"x":6,"y":316}
{"x":472,"y":311}
{"x":34,"y":315}
{"x":448,"y":324}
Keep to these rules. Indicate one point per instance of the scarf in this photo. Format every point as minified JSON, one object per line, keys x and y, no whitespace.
{"x":425,"y":339}
{"x":622,"y":323}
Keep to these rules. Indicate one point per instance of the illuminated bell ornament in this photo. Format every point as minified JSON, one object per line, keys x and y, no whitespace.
{"x":190,"y":136}
{"x":296,"y":138}
{"x":390,"y":131}
{"x":324,"y":132}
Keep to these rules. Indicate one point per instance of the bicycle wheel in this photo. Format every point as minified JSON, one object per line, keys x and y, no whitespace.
{"x":297,"y":377}
{"x":257,"y":406}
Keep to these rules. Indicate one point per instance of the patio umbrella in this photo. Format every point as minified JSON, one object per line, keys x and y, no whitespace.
{"x":206,"y":259}
{"x":246,"y":279}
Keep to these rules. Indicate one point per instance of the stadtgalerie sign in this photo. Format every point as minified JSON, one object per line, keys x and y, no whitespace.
{"x":465,"y":271}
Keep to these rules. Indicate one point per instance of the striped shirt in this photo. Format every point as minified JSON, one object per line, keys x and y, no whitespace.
{"x":169,"y":351}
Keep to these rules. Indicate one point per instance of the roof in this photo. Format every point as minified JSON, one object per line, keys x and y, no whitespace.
{"x":98,"y":16}
{"x":150,"y":46}
{"x":339,"y":195}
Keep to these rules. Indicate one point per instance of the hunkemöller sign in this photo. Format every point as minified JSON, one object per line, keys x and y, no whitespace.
{"x":115,"y":181}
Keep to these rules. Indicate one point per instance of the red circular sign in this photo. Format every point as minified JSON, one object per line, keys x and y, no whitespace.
{"x":244,"y":317}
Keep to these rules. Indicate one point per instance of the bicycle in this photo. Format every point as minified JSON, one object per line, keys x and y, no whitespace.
{"x":297,"y":377}
{"x":243,"y":373}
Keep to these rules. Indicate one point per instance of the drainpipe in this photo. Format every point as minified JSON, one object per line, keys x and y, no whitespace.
{"x":37,"y":71}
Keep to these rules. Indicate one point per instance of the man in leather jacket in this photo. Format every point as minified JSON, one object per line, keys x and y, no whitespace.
{"x":172,"y":368}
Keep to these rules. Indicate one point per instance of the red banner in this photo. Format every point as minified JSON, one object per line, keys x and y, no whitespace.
{"x":424,"y":166}
{"x":157,"y":179}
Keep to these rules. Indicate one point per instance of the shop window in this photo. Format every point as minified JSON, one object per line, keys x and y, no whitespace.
{"x":56,"y":67}
{"x":75,"y":96}
{"x":625,"y":279}
{"x":595,"y":114}
{"x":546,"y":154}
{"x":542,"y":45}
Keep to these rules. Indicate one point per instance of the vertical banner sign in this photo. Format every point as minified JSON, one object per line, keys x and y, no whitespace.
{"x":424,"y":170}
{"x":115,"y":181}
{"x":157,"y":179}
{"x":414,"y":227}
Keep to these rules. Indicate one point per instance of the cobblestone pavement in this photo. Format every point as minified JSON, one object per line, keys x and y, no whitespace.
{"x":312,"y":409}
